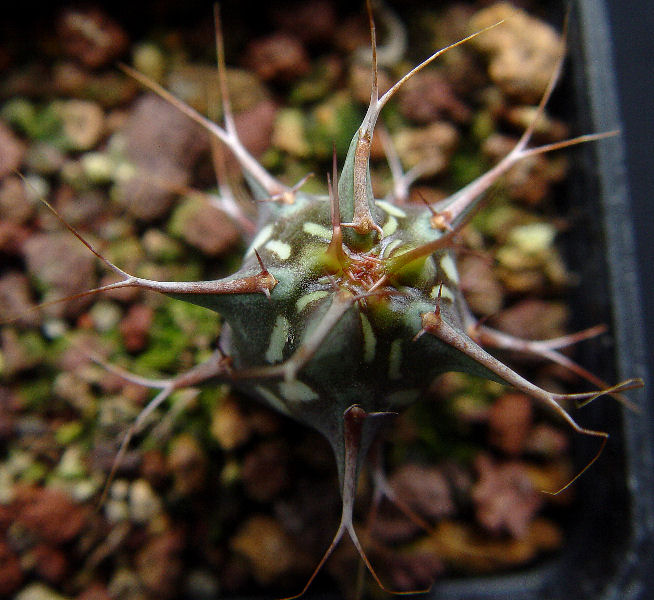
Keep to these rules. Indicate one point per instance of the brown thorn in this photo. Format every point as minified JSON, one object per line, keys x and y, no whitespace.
{"x":391,"y":92}
{"x":548,"y":350}
{"x":364,"y":226}
{"x":302,"y":181}
{"x":426,"y":203}
{"x":601,"y":434}
{"x":74,"y":231}
{"x":134,"y":428}
{"x":586,"y":398}
{"x":382,"y":488}
{"x":378,"y":581}
{"x":374,"y":91}
{"x":263,"y":267}
{"x":378,"y":283}
{"x":431,"y":320}
{"x":448,"y":334}
{"x":582,"y":139}
{"x":225,"y":359}
{"x":288,"y":196}
{"x":438,"y":220}
{"x":321,"y":563}
{"x":418,"y":335}
{"x":335,"y":249}
{"x":229,"y":138}
{"x":124,"y":374}
{"x":265,"y":273}
{"x":222,"y":72}
{"x":42,"y":305}
{"x":445,"y":241}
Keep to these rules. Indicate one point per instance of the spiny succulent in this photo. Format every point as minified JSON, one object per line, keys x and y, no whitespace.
{"x":346,"y":307}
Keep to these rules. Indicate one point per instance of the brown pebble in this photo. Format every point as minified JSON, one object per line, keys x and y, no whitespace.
{"x":153,"y":467}
{"x":230,"y":425}
{"x":504,"y":497}
{"x":91,"y":36}
{"x":64,"y":265}
{"x":461,"y":546}
{"x":14,"y":203}
{"x":11,"y":151}
{"x":135,"y":327}
{"x":49,"y":514}
{"x":15,"y":299}
{"x":159,"y":564}
{"x":12,"y":237}
{"x":430,"y":146}
{"x":82,"y":123}
{"x":11,"y":574}
{"x":533,"y":319}
{"x":266,"y":546}
{"x":523,"y":51}
{"x":16,"y":356}
{"x":509,"y":422}
{"x":255,"y":126}
{"x":428,"y":96}
{"x":415,"y":569}
{"x":278,"y":57}
{"x":309,"y":20}
{"x":545,"y":440}
{"x":204,"y":226}
{"x":424,"y":489}
{"x":265,"y":471}
{"x":188,"y":463}
{"x":480,"y":287}
{"x":95,"y":591}
{"x":155,"y":124}
{"x":50,"y":563}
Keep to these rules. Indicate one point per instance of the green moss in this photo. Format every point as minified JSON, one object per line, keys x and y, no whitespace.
{"x":161,"y":247}
{"x":69,"y":432}
{"x":176,"y":328}
{"x":193,"y":319}
{"x":316,"y":85}
{"x":483,"y":125}
{"x":333,"y":123}
{"x":464,"y":168}
{"x":35,"y":394}
{"x":125,"y":252}
{"x":37,"y":123}
{"x":185,"y":211}
{"x":34,"y":473}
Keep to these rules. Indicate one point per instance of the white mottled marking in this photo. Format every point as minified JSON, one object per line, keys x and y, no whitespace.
{"x":369,"y":340}
{"x":449,"y":268}
{"x":272,"y":399}
{"x":281,"y":249}
{"x":392,"y":246}
{"x":324,"y":233}
{"x":261,"y":238}
{"x":303,"y":301}
{"x":390,"y":227}
{"x":391,"y":209}
{"x":278,"y":339}
{"x":296,"y":391}
{"x":395,"y":359}
{"x":445,"y":292}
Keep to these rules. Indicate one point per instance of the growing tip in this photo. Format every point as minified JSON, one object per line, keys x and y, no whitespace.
{"x":336,"y":257}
